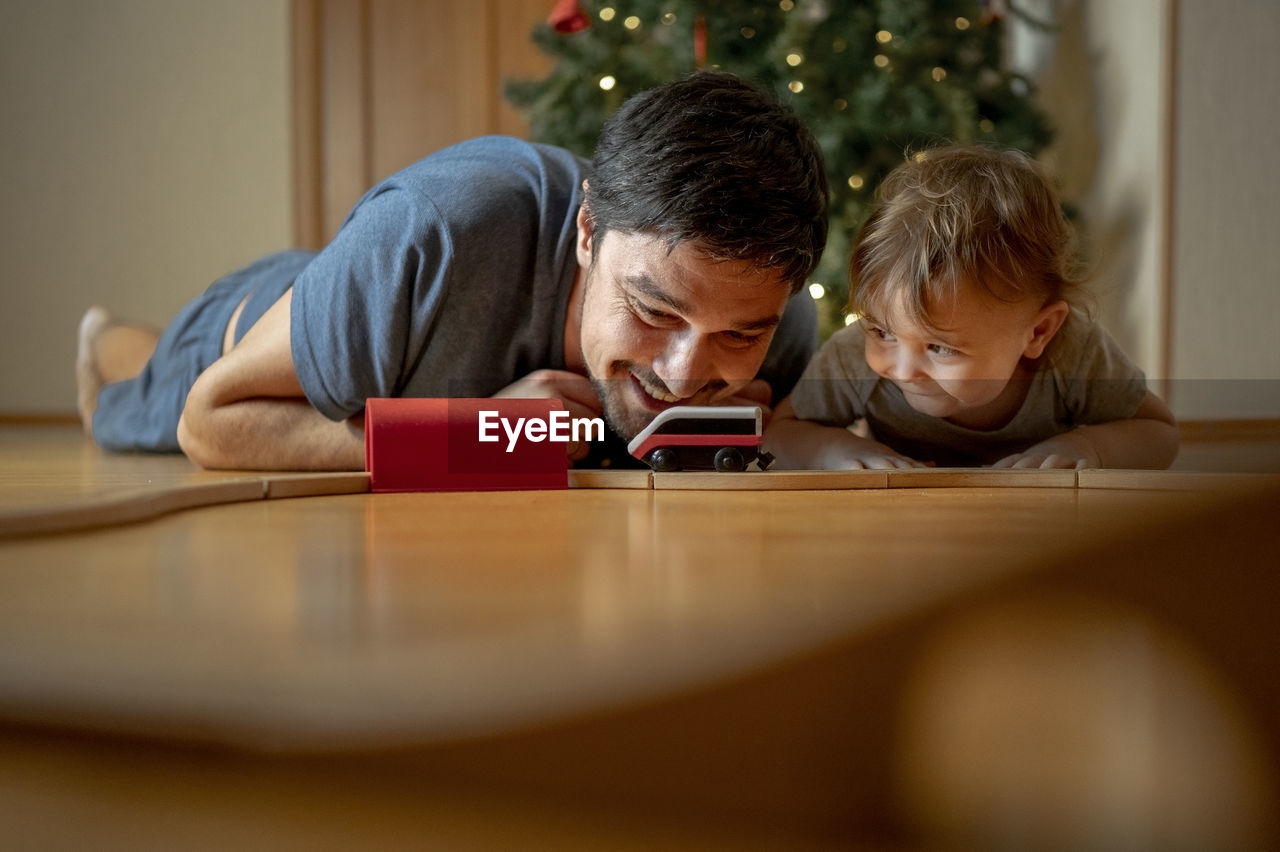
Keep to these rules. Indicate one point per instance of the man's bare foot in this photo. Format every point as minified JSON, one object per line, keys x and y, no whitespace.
{"x":108,"y":351}
{"x":88,"y":379}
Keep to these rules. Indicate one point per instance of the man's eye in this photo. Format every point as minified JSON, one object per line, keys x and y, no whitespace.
{"x":738,"y":338}
{"x":650,"y":313}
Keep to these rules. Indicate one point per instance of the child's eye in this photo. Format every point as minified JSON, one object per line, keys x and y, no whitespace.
{"x":943,"y":351}
{"x":877,"y":331}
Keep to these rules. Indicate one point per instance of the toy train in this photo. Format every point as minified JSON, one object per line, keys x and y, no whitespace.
{"x":694,"y":437}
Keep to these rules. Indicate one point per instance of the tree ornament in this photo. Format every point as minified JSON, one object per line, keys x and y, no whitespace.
{"x":568,"y":17}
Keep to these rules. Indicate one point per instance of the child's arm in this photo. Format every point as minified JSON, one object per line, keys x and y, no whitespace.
{"x":804,"y":445}
{"x":1149,"y":440}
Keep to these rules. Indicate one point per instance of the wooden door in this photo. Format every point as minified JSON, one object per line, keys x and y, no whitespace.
{"x":378,"y":84}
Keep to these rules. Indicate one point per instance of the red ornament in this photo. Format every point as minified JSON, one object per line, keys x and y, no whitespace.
{"x":699,"y":42}
{"x":568,"y":17}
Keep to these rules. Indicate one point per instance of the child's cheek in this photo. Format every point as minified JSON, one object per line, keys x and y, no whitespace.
{"x":875,"y":359}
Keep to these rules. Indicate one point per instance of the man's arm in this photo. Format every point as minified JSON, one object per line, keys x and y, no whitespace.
{"x":248,"y":411}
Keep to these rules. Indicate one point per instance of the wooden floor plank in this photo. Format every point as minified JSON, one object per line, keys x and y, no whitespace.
{"x":773,"y":480}
{"x":628,"y":479}
{"x":980,"y":478}
{"x":126,"y":507}
{"x":314,"y":484}
{"x":1167,"y":480}
{"x":758,"y":659}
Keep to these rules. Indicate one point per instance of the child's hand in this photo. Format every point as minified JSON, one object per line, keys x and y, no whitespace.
{"x":1070,"y":450}
{"x":856,"y":453}
{"x":804,"y":445}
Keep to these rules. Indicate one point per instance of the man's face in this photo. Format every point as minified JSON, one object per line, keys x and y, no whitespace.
{"x":660,"y":328}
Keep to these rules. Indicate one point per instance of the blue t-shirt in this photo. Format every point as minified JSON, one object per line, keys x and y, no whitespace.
{"x":449,"y":278}
{"x":452,"y":278}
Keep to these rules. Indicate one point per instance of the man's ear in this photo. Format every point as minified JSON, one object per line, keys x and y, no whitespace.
{"x":1045,"y":326}
{"x":585,"y":233}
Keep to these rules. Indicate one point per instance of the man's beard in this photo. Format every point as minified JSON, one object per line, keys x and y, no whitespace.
{"x":625,"y":422}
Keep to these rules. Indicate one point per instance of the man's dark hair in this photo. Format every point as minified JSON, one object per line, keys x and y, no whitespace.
{"x":713,"y":160}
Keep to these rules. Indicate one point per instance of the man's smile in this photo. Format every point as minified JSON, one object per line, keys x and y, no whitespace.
{"x":655,"y":390}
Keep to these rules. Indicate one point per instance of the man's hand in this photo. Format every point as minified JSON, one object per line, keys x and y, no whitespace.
{"x":1071,"y":451}
{"x":574,"y":390}
{"x":756,"y":392}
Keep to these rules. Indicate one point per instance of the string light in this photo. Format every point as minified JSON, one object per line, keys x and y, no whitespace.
{"x":884,"y":36}
{"x":850,"y":319}
{"x":786,"y":5}
{"x":794,"y":59}
{"x":747,"y":32}
{"x":607,"y":82}
{"x":881,"y":60}
{"x":817,"y":291}
{"x":840,"y":104}
{"x":856,"y":181}
{"x":669,"y":18}
{"x":939,"y":74}
{"x":796,"y":86}
{"x":607,"y":13}
{"x":631,"y":22}
{"x":962,"y":23}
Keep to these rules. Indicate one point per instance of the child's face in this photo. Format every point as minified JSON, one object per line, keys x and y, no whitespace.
{"x":962,"y":370}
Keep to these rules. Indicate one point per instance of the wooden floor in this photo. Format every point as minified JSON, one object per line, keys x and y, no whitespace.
{"x":1085,"y":662}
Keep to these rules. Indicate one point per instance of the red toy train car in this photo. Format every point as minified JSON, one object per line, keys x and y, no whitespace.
{"x":694,"y":437}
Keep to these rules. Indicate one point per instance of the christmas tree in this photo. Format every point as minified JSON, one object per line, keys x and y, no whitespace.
{"x":876,"y":80}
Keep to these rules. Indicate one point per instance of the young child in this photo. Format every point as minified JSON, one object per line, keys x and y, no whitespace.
{"x":966,"y":351}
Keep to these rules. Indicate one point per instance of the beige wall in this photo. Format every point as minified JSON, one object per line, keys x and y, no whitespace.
{"x":144,"y":152}
{"x":1178,"y":224}
{"x":1167,"y":115}
{"x":1102,"y":78}
{"x":1226,"y":279}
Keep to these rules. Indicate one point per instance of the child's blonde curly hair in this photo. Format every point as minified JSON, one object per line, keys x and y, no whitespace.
{"x":963,"y":213}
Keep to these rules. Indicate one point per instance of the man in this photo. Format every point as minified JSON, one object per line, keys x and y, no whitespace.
{"x":660,"y":274}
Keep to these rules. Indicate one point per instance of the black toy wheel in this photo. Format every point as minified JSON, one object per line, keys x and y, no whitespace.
{"x":729,"y":460}
{"x":664,"y":460}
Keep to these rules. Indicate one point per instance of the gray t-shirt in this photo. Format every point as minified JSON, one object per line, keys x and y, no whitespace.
{"x":1082,"y":378}
{"x":452,"y":278}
